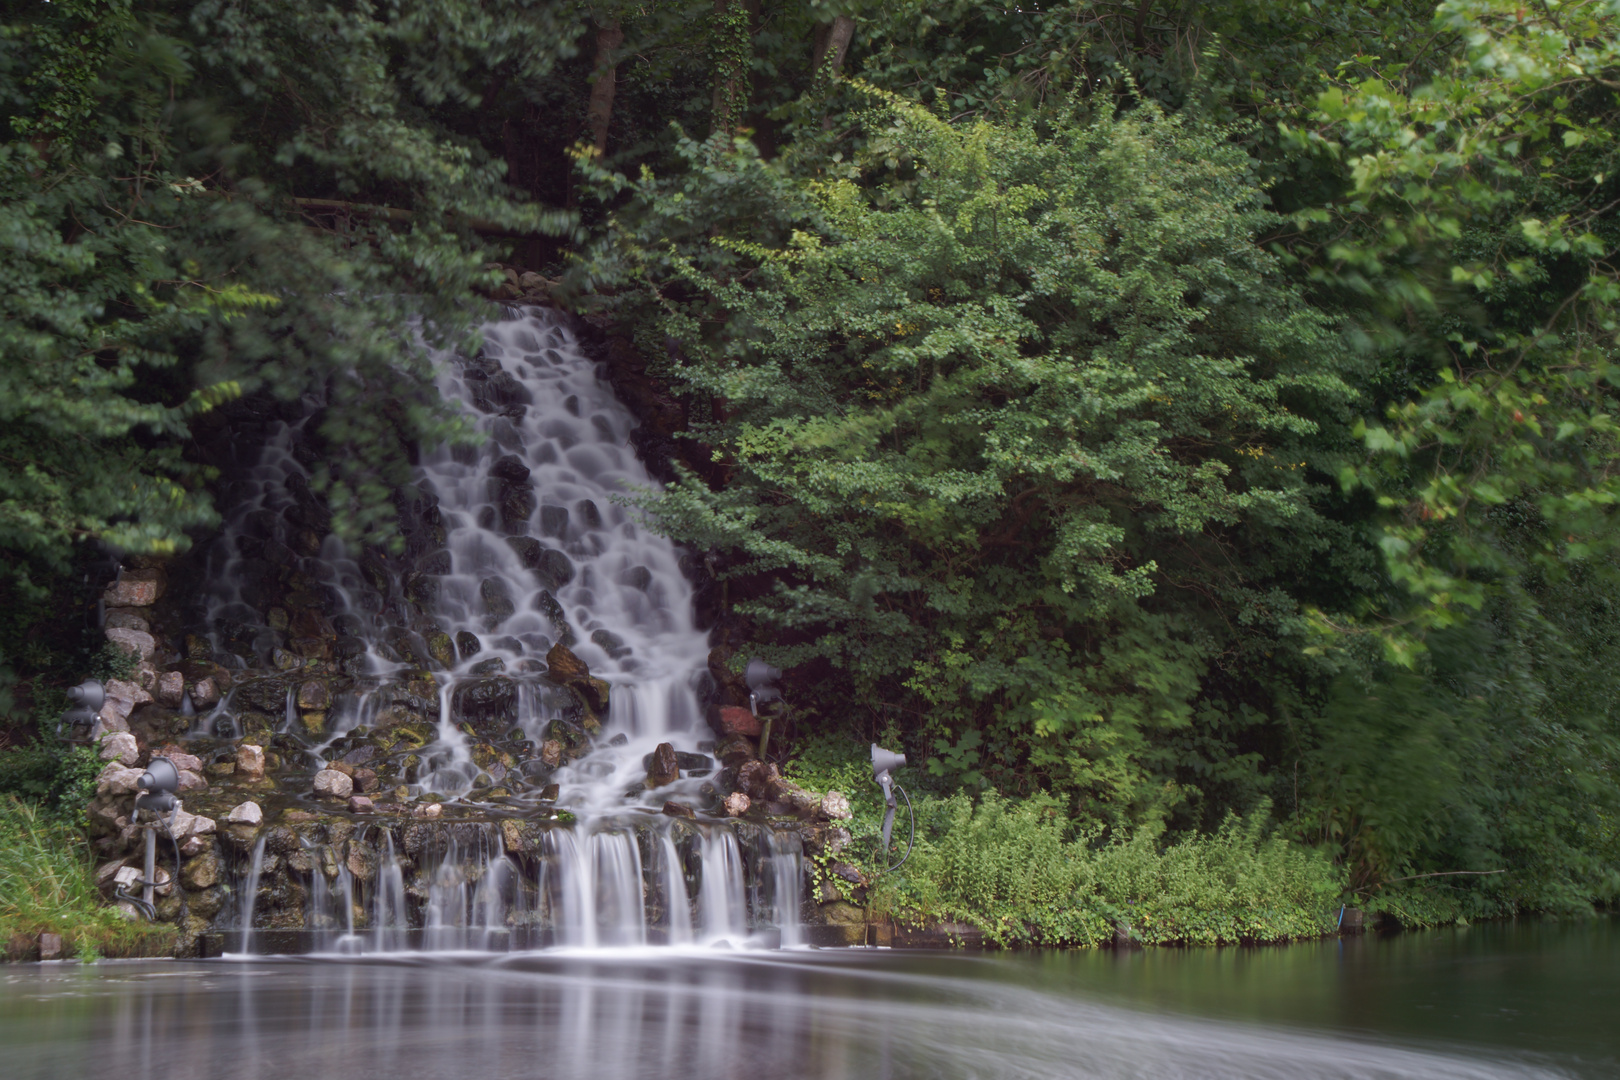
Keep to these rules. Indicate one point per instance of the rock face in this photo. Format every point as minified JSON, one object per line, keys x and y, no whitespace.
{"x":663,"y":769}
{"x":332,"y":783}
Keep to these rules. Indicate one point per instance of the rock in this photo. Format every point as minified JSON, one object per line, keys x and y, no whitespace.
{"x":120,"y":746}
{"x":610,"y":643}
{"x":117,"y":779}
{"x":359,"y":804}
{"x":136,"y":588}
{"x":736,"y":720}
{"x":467,"y":644}
{"x":284,"y":660}
{"x":429,"y":811}
{"x":441,"y":648}
{"x":180,"y":759}
{"x":564,"y":666}
{"x":249,"y":761}
{"x":835,"y":806}
{"x":736,"y":804}
{"x":190,"y":780}
{"x":201,"y":872}
{"x":204,"y":693}
{"x":50,"y":946}
{"x":169,"y":688}
{"x":675,"y":809}
{"x":137,"y":643}
{"x":332,"y":783}
{"x":314,"y":722}
{"x":490,"y":704}
{"x":838,"y":838}
{"x":516,"y":506}
{"x":754,"y":778}
{"x":497,"y":601}
{"x":531,"y":283}
{"x":637,"y":577}
{"x":551,"y":753}
{"x":366,"y":781}
{"x":663,"y":769}
{"x":554,"y":569}
{"x":194,"y":845}
{"x":185,"y":825}
{"x":247,"y":813}
{"x":509,"y":468}
{"x":314,"y":696}
{"x":554,"y":521}
{"x":126,"y":620}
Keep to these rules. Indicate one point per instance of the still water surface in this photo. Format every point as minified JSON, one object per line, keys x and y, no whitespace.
{"x":1527,"y":999}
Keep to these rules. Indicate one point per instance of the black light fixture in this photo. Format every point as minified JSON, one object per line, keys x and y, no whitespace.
{"x":884,"y":762}
{"x":79,"y":720}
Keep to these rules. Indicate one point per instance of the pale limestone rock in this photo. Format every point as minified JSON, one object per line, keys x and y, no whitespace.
{"x":126,"y":620}
{"x":117,"y":779}
{"x":835,"y":805}
{"x":171,"y":685}
{"x":204,"y":692}
{"x":333,"y":783}
{"x":120,"y":746}
{"x":737,"y":804}
{"x":192,"y":781}
{"x":137,"y":643}
{"x":247,"y":813}
{"x":131,"y":592}
{"x":249,"y":761}
{"x":181,"y":760}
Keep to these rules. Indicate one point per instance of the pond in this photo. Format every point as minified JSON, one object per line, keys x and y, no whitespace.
{"x":1527,"y":998}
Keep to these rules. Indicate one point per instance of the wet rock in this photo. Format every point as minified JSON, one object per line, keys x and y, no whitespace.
{"x":736,"y":804}
{"x":564,"y":666}
{"x":201,"y":872}
{"x":735,"y":720}
{"x":334,"y":784}
{"x":637,"y":577}
{"x":284,"y":660}
{"x":422,"y":589}
{"x":435,"y":562}
{"x":360,"y":755}
{"x":554,"y":569}
{"x":662,"y":768}
{"x":366,"y":780}
{"x":528,"y":550}
{"x":360,"y":804}
{"x":247,"y":813}
{"x":589,"y":514}
{"x":550,"y":792}
{"x":497,"y":601}
{"x":343,"y":767}
{"x":50,"y":946}
{"x":263,"y":695}
{"x":314,"y":723}
{"x":849,"y":873}
{"x":429,"y":811}
{"x":610,"y":643}
{"x":179,"y":758}
{"x":835,"y":806}
{"x":315,"y":695}
{"x":249,"y":762}
{"x":550,"y":753}
{"x":441,"y":648}
{"x":509,"y":468}
{"x":467,"y":644}
{"x":516,"y":506}
{"x":554,"y":521}
{"x":754,"y":778}
{"x":838,"y":838}
{"x":493,"y":666}
{"x":675,"y":809}
{"x":490,"y":705}
{"x":688,"y":761}
{"x":168,"y":689}
{"x":120,"y":747}
{"x":191,"y":781}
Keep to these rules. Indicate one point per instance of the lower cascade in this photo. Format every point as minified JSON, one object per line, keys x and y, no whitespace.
{"x":510,"y":735}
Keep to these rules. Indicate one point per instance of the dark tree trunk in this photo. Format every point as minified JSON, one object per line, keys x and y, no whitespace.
{"x":599,"y":113}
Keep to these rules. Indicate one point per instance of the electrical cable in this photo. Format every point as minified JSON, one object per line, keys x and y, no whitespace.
{"x":911,"y":836}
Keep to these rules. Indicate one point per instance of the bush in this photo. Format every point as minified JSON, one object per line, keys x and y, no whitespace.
{"x":46,"y":886}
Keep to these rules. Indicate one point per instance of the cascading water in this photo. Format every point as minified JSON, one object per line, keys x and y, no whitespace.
{"x":521,"y":543}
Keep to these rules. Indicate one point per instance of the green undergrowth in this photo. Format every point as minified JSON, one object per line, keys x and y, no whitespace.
{"x":1026,"y":874}
{"x":47,"y":886}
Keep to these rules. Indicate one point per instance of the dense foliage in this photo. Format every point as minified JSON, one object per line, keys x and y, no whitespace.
{"x":1165,"y":414}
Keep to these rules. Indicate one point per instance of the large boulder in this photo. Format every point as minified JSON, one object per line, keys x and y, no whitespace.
{"x":333,"y":784}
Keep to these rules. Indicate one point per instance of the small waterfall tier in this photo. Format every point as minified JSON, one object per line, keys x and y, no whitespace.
{"x":493,"y":735}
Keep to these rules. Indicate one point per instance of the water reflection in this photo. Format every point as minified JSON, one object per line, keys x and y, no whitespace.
{"x":670,"y":1014}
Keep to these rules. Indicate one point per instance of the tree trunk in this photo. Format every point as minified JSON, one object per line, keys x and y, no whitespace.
{"x":605,"y":81}
{"x":731,"y":45}
{"x":832,"y":43}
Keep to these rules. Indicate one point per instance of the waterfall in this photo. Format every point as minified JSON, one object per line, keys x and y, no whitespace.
{"x":517,"y":541}
{"x":250,"y":895}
